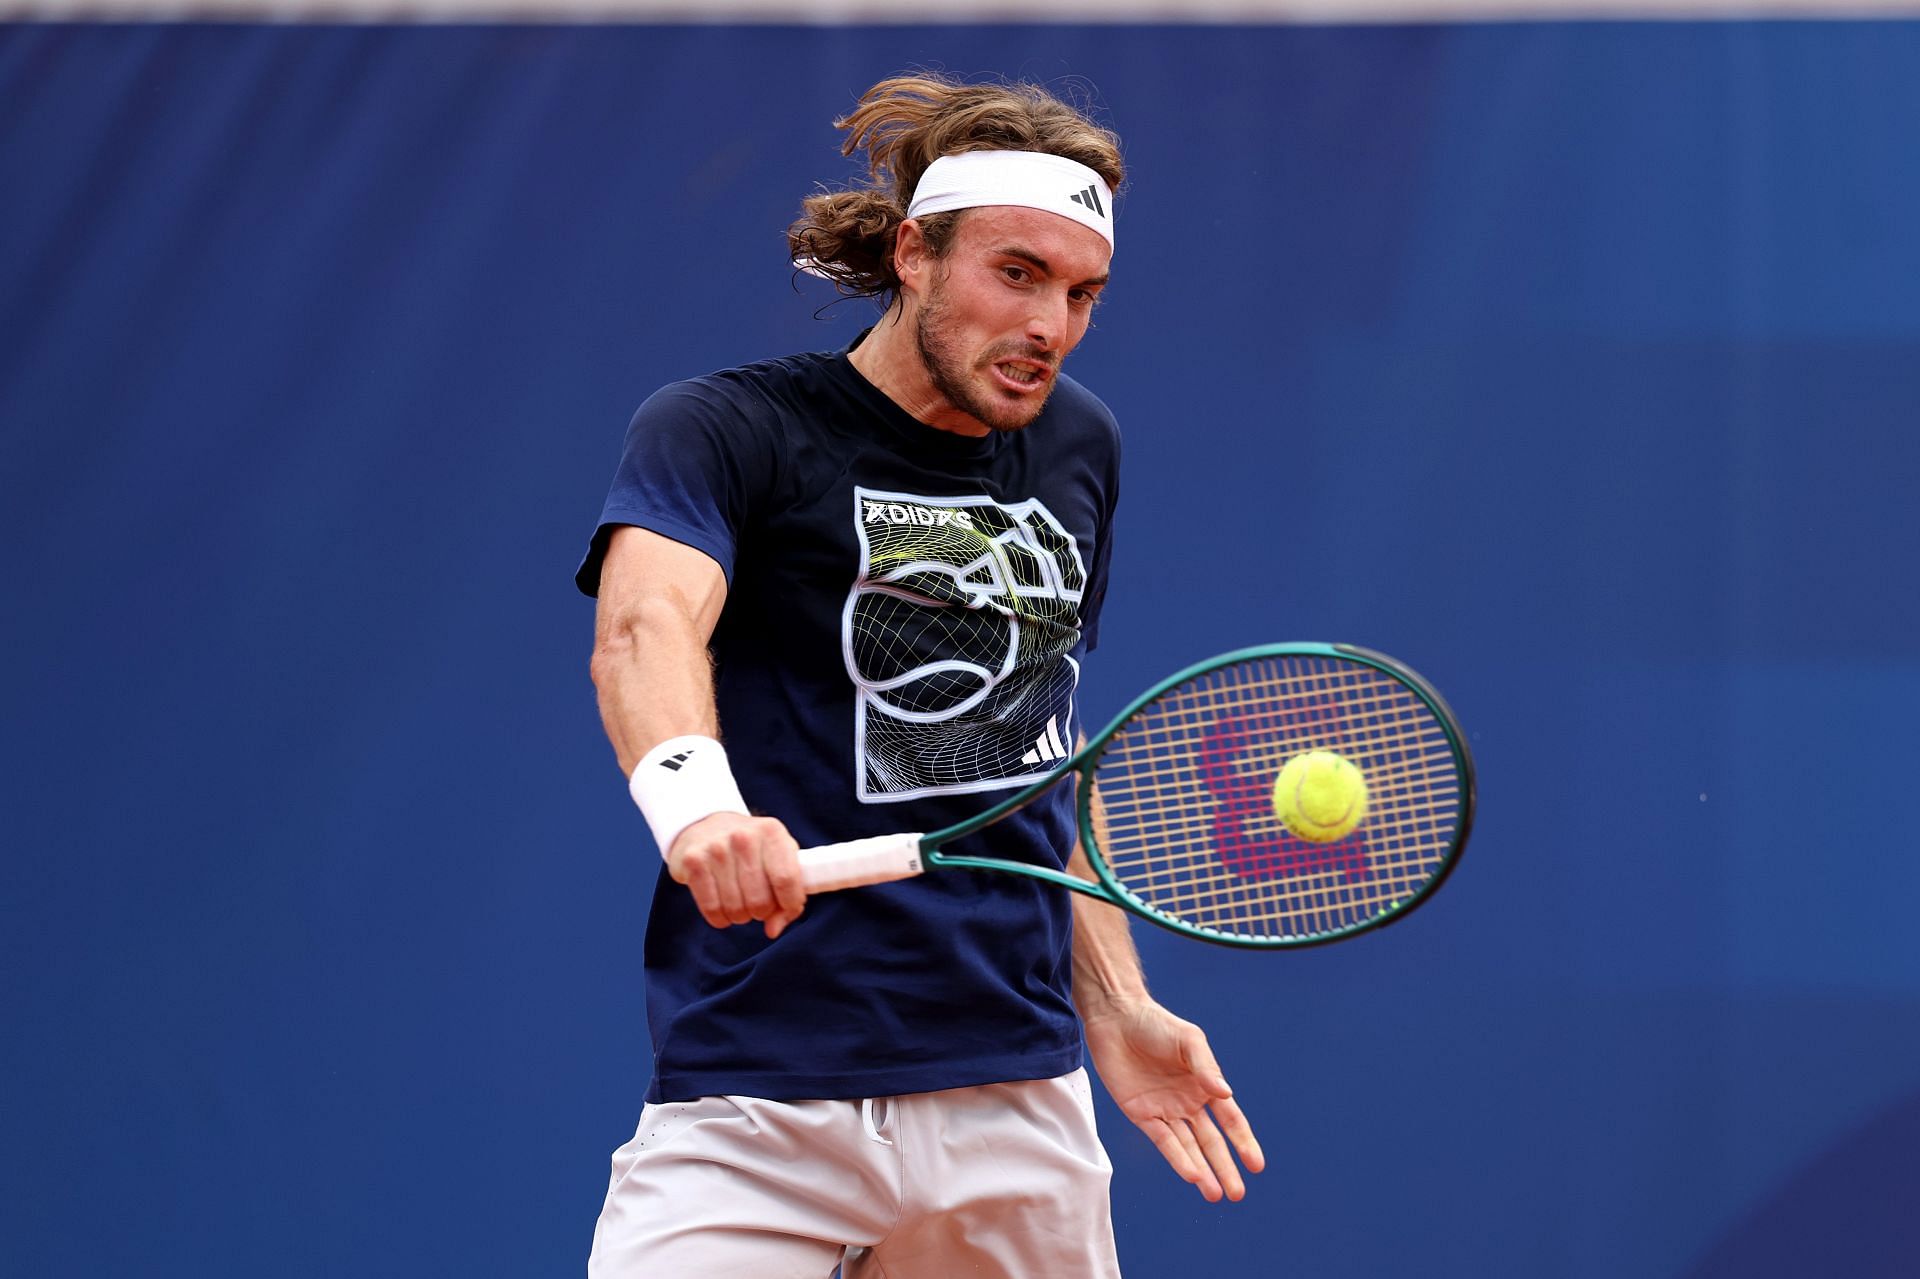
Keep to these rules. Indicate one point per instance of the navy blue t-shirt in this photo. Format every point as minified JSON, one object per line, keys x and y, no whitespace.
{"x":906,"y":614}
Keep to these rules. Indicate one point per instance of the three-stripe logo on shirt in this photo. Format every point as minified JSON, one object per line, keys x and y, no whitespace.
{"x":1048,"y":747}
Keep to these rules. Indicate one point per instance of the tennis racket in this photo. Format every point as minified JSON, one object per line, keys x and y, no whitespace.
{"x":1177,"y":806}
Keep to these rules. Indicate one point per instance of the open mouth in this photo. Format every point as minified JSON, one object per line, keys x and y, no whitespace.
{"x":1020,"y":375}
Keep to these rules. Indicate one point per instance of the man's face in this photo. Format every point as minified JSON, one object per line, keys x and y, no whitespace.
{"x":1003,"y":309}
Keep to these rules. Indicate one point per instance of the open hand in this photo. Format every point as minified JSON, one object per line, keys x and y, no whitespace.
{"x":1161,"y":1073}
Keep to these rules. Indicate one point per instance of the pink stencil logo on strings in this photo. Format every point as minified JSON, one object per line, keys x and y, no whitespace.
{"x":1251,"y":840}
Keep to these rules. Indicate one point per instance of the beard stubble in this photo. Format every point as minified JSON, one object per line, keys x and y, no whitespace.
{"x":950,"y":373}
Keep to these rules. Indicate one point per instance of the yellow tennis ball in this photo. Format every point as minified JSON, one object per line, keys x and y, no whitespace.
{"x":1320,"y":796}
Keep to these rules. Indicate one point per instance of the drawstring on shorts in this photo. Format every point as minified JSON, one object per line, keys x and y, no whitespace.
{"x":870,"y":1123}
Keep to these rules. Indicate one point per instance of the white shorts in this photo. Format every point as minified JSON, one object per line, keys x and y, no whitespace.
{"x":1003,"y":1181}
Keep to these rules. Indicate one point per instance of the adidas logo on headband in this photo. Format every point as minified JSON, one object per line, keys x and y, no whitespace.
{"x":1091,"y":199}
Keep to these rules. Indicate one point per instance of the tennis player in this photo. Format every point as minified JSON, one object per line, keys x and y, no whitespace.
{"x":879,"y":570}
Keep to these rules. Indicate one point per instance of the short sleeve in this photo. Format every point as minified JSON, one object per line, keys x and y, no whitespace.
{"x":691,"y":467}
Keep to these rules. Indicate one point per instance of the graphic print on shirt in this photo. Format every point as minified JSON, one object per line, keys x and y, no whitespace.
{"x":956,"y":636}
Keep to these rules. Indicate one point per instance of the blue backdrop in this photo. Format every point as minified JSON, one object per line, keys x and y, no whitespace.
{"x":1578,"y":365}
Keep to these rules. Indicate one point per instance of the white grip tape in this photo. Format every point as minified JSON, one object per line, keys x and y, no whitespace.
{"x":878,"y":860}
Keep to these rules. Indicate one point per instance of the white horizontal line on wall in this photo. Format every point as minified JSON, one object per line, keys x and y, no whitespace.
{"x":932,"y":12}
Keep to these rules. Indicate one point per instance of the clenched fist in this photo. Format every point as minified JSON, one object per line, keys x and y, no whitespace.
{"x":740,"y":869}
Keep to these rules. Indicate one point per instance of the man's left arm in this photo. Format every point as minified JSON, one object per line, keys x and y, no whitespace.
{"x":1157,"y":1067}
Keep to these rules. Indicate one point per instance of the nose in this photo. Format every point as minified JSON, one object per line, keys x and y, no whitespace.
{"x":1047,"y":325}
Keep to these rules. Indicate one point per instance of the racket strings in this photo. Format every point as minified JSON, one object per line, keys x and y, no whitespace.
{"x":1186,"y":819}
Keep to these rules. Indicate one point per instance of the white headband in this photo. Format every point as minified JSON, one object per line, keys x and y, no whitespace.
{"x":1028,"y":179}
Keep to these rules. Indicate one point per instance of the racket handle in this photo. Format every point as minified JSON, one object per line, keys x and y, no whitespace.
{"x":878,"y":860}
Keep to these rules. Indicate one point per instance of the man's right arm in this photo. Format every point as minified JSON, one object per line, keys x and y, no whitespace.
{"x":659,"y":601}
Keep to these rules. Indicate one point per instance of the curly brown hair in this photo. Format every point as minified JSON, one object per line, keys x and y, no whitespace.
{"x":906,"y":123}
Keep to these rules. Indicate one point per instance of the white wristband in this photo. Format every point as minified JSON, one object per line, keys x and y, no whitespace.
{"x":680,"y":781}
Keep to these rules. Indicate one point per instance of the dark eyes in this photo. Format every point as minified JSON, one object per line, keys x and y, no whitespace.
{"x":1021,"y":275}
